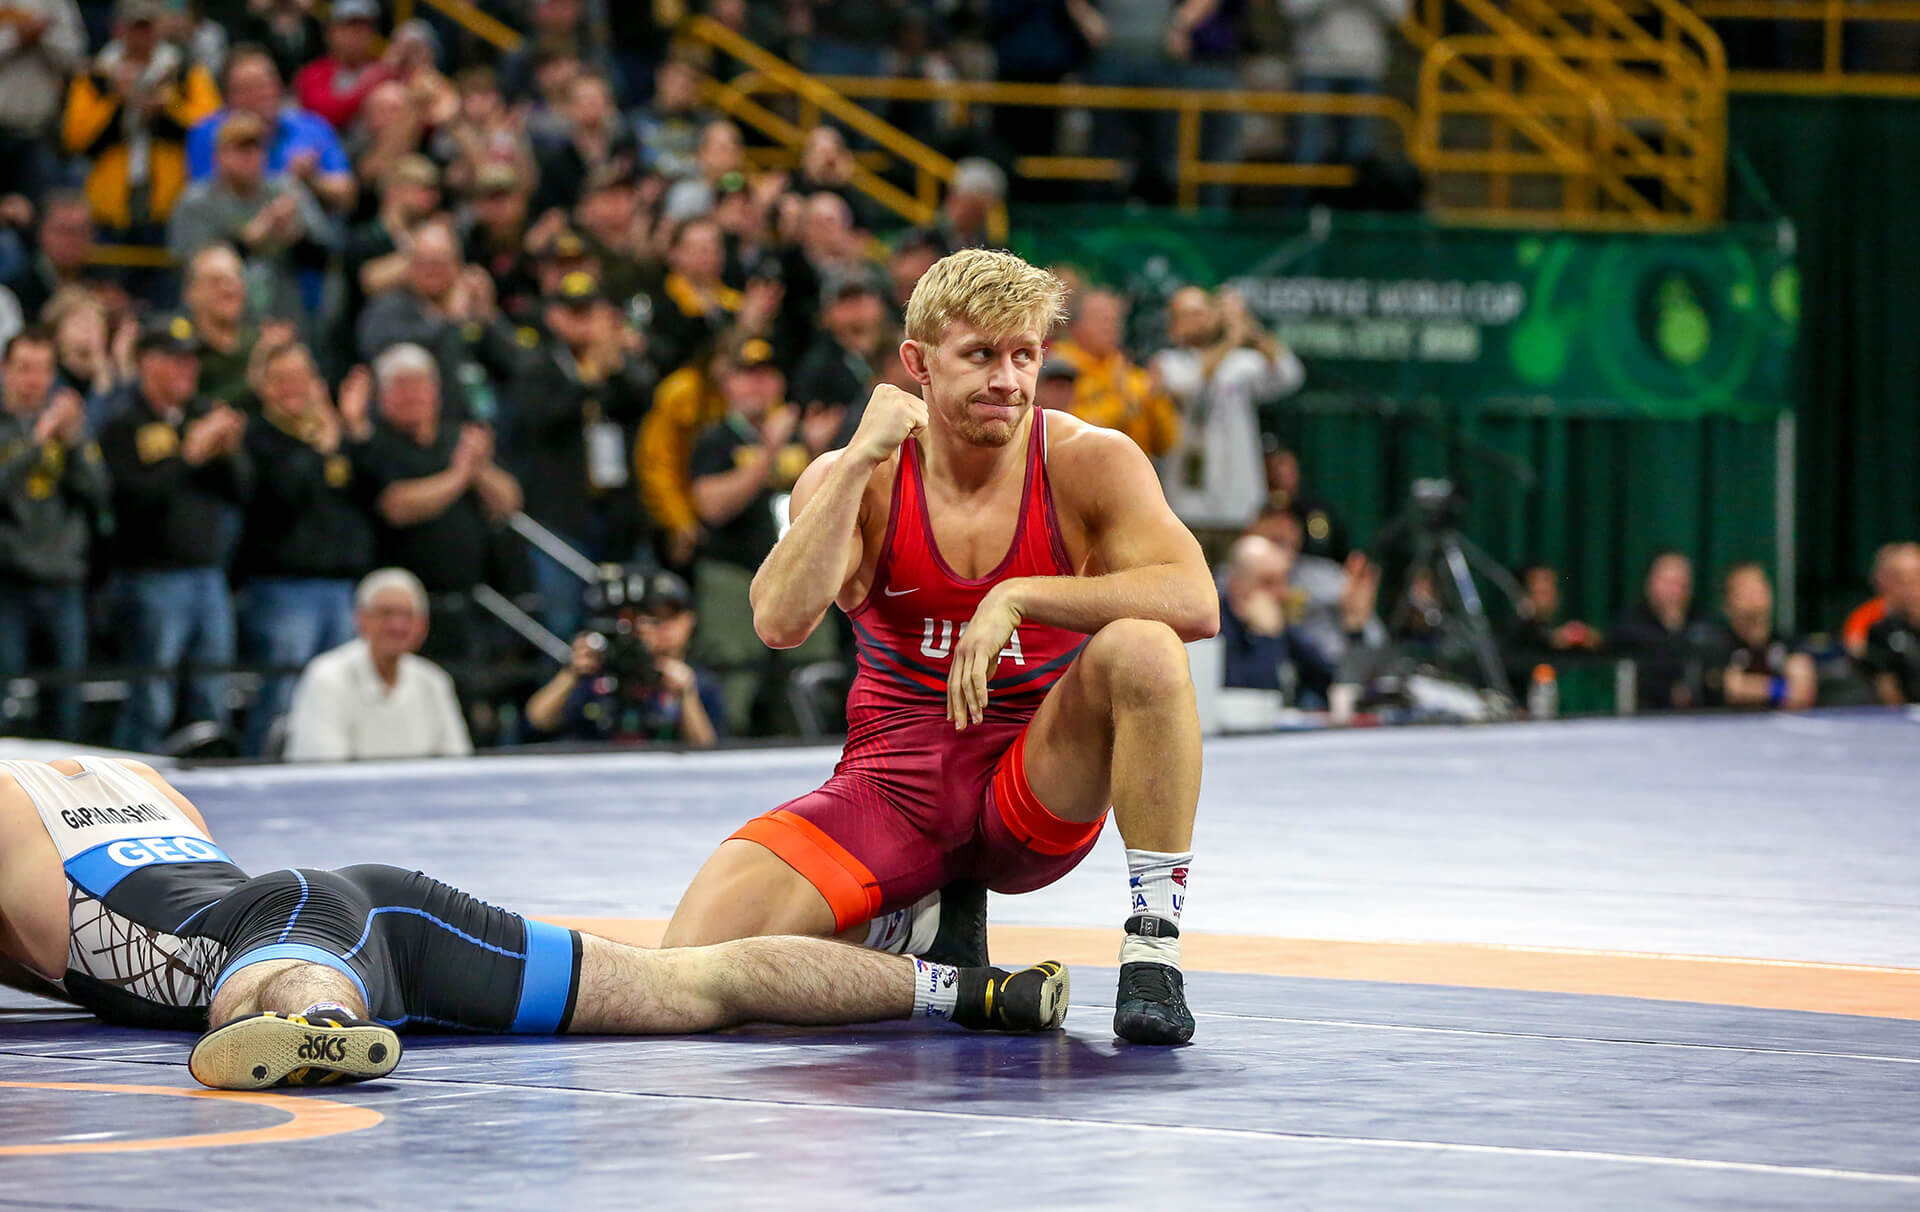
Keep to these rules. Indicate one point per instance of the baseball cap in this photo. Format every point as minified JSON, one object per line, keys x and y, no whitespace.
{"x":415,"y":170}
{"x":240,"y":127}
{"x":355,"y":10}
{"x":567,"y":246}
{"x":747,"y":353}
{"x":134,"y":11}
{"x":168,"y":331}
{"x":496,"y":177}
{"x":610,"y":176}
{"x":577,"y":288}
{"x":666,"y":591}
{"x":1059,"y":368}
{"x":852,"y":280}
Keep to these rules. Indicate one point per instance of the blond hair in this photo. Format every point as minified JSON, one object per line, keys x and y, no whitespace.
{"x":994,"y":291}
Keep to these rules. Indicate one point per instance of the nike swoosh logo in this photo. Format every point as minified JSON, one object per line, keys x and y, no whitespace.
{"x":900,"y":593}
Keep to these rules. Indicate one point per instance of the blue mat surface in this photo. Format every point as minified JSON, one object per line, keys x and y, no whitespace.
{"x":1767,"y":837}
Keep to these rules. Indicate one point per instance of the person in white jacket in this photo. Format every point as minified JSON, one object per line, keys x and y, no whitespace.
{"x":373,"y":697}
{"x":1220,"y":368}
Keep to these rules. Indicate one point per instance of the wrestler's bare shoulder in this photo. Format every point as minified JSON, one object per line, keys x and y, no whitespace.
{"x":1084,"y":459}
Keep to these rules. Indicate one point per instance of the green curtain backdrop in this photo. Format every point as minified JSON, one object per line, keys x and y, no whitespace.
{"x":1846,"y":172}
{"x":1600,"y":397}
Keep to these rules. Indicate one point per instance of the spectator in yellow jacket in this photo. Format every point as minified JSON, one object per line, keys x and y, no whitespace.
{"x":129,"y":114}
{"x":684,"y":405}
{"x":1111,"y":391}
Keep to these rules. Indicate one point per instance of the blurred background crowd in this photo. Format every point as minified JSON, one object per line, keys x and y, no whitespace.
{"x":294,"y":293}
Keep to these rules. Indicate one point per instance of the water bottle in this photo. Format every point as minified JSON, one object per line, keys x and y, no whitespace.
{"x":1543,"y":696}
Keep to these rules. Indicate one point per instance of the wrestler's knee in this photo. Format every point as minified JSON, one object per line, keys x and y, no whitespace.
{"x":1139,"y":662}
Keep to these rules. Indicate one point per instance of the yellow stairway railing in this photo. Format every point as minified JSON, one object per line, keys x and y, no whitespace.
{"x":1599,"y":113}
{"x":1585,"y":113}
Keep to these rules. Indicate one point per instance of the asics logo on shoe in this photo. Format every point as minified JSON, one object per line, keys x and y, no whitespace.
{"x":323,"y":1048}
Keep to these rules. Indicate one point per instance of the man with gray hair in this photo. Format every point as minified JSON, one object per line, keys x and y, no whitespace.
{"x":373,"y":697}
{"x":437,"y":491}
{"x":978,"y":187}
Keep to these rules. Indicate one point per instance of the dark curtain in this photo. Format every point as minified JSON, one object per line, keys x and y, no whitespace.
{"x":1846,"y":171}
{"x":1605,"y":494}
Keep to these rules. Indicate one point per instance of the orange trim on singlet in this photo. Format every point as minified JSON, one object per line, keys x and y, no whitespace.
{"x":851,"y":890}
{"x":1026,"y":817}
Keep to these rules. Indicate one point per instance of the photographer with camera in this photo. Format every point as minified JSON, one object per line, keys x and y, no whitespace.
{"x":1220,"y":368}
{"x":629,"y":679}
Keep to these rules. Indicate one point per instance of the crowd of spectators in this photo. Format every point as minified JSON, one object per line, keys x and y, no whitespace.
{"x":288,"y":301}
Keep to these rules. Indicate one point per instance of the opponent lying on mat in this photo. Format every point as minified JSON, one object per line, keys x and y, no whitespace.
{"x":114,"y":897}
{"x":1019,"y":591}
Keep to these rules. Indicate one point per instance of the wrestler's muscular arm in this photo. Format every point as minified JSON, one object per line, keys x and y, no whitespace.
{"x":1150,"y":566}
{"x":822,"y":552}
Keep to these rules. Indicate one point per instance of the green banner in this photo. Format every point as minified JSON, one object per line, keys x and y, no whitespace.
{"x":1390,"y":308}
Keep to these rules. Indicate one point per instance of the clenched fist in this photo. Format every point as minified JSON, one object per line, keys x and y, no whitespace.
{"x":891,"y":418}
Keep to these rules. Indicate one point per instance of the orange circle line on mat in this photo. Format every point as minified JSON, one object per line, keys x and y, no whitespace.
{"x":1768,"y":984}
{"x":311,"y":1118}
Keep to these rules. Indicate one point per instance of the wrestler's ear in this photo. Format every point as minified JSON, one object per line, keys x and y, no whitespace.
{"x":914,"y":356}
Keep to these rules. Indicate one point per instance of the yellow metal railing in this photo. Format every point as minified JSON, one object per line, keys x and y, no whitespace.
{"x":1827,"y":24}
{"x":1190,"y":107}
{"x":1608,"y":112}
{"x":1621,"y":102}
{"x":930,"y":168}
{"x":1832,"y":17}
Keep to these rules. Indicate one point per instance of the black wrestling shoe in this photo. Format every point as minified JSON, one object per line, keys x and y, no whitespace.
{"x":960,"y":941}
{"x":268,"y":1049}
{"x":1152,"y":1006}
{"x":1032,"y":999}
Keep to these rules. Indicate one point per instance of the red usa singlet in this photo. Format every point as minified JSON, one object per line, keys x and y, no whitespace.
{"x":918,"y":606}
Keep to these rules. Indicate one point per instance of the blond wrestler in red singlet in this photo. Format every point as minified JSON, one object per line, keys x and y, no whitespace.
{"x":1019,"y":592}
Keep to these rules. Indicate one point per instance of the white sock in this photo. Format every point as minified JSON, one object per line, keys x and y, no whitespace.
{"x":1158,"y":885}
{"x":936,"y":989}
{"x":325,"y":1010}
{"x":908,"y":931}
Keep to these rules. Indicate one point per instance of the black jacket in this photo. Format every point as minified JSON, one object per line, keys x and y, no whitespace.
{"x":166,"y":514}
{"x":311,"y":514}
{"x":449,"y":551}
{"x":51,"y":496}
{"x":1671,"y":663}
{"x":552,"y":413}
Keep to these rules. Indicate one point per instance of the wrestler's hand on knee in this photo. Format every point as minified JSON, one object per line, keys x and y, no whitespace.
{"x":976,"y":655}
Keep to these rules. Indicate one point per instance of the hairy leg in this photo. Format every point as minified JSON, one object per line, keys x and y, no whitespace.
{"x":744,"y":891}
{"x":284,"y":987}
{"x":801,"y":981}
{"x":1121,"y":728}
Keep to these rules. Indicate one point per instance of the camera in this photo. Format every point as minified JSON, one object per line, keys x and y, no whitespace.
{"x":1438,"y":503}
{"x":613,"y":605}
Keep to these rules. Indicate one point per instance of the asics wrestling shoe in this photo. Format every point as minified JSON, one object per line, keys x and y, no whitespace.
{"x":1032,"y":999}
{"x":268,"y":1049}
{"x":1152,"y":1005}
{"x":961,"y":939}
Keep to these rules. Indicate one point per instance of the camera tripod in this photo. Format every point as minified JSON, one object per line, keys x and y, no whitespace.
{"x":1450,"y":558}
